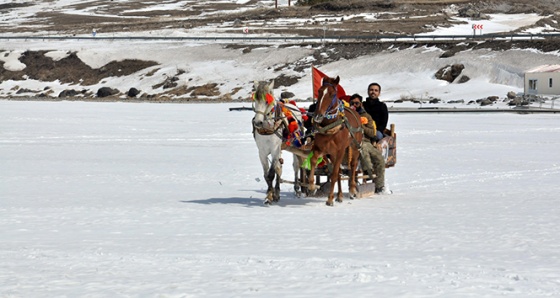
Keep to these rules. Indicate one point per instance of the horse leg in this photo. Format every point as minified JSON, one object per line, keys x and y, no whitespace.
{"x":353,"y":166}
{"x":277,"y":165}
{"x":303,"y":181}
{"x":311,"y":179}
{"x":296,"y":165}
{"x":340,"y":194}
{"x":335,"y":177}
{"x":276,"y":196}
{"x":270,"y":190}
{"x":268,"y":176}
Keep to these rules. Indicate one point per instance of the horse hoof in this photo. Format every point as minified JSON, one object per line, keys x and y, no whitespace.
{"x":267,"y":202}
{"x":330,"y":204}
{"x":339,"y":200}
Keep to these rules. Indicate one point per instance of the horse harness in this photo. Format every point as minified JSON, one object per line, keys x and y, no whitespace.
{"x":337,"y":112}
{"x":278,"y":122}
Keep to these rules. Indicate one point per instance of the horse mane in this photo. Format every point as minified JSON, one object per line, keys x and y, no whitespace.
{"x":262,"y":88}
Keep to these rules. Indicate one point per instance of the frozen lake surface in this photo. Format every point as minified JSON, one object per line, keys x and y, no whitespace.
{"x":165,"y":200}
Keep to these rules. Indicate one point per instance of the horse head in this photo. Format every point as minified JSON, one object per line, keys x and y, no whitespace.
{"x":263,"y":104}
{"x":328,"y":103}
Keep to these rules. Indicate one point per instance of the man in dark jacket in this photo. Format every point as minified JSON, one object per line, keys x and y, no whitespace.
{"x":377,"y":109}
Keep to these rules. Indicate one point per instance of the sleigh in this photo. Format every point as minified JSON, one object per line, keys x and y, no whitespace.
{"x":366,"y":187}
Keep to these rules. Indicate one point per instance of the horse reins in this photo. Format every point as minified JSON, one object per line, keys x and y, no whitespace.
{"x":332,"y":113}
{"x":277,"y":122}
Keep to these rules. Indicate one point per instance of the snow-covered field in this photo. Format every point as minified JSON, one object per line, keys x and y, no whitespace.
{"x":163,"y":200}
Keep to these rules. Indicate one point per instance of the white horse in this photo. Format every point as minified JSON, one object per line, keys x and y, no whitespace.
{"x":269,"y":125}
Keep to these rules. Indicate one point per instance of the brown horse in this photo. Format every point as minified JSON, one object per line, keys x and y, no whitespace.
{"x":337,"y":129}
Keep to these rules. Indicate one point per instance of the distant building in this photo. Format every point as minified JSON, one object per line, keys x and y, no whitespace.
{"x":543,"y":80}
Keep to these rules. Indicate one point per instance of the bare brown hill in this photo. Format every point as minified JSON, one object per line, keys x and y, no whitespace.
{"x":394,"y":17}
{"x":397,"y":16}
{"x":69,"y":69}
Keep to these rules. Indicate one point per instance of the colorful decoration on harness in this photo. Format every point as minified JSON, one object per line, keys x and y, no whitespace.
{"x":293,"y":135}
{"x":292,"y":123}
{"x":303,"y":114}
{"x":295,"y":139}
{"x":340,"y":112}
{"x":292,"y":126}
{"x":307,"y":162}
{"x":267,"y":97}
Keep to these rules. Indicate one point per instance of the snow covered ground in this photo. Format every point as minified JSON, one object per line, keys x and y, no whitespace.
{"x":164,"y":200}
{"x":496,"y":23}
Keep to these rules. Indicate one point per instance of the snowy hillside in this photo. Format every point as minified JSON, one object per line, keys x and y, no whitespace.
{"x":210,"y":70}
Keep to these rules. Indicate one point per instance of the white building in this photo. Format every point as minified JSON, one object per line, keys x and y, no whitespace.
{"x":543,"y":80}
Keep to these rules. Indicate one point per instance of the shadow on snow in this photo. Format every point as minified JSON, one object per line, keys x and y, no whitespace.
{"x":286,"y":199}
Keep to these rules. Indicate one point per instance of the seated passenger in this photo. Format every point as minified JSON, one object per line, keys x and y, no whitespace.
{"x":377,"y":109}
{"x":372,"y":160}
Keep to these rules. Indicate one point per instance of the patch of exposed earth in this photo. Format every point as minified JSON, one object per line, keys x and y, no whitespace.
{"x":397,"y":17}
{"x":391,"y":16}
{"x":73,"y":71}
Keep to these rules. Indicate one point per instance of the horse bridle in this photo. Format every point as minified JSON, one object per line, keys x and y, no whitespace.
{"x":267,"y":116}
{"x":334,"y":112}
{"x":334,"y":109}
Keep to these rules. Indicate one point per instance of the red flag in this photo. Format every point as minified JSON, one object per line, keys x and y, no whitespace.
{"x":317,"y":77}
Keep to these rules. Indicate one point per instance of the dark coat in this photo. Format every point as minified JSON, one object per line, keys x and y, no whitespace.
{"x":308,"y":124}
{"x":378,"y":111}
